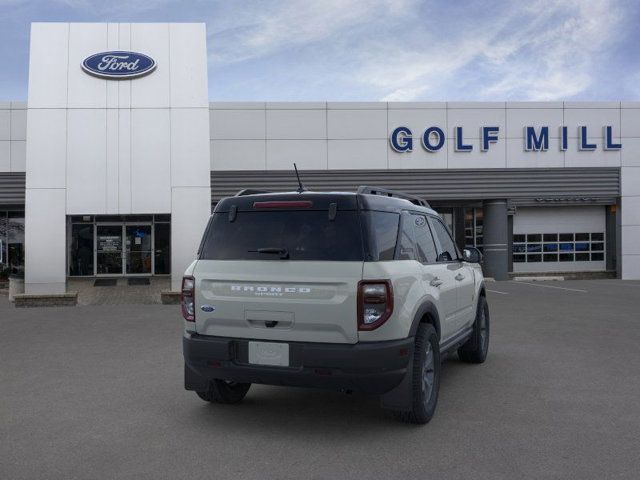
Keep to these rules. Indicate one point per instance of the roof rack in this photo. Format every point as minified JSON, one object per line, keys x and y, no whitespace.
{"x":250,"y":191}
{"x":392,"y":193}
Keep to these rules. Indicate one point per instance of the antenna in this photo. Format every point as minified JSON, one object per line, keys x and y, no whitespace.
{"x":300,"y":185}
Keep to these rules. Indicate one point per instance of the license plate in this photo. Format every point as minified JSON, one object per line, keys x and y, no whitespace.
{"x":269,"y":353}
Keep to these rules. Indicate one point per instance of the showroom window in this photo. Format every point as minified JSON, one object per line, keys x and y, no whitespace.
{"x":11,"y":242}
{"x":558,"y":247}
{"x":473,"y":227}
{"x":119,"y":245}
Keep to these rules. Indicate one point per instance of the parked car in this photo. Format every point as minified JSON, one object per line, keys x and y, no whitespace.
{"x":361,"y":291}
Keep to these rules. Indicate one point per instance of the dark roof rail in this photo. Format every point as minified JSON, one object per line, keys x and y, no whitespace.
{"x":393,"y":193}
{"x":250,"y":191}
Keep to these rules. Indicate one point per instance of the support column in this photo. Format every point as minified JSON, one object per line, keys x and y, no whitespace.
{"x":496,"y":239}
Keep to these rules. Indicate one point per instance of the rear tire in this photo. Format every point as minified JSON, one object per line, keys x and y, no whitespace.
{"x":476,"y":348}
{"x":222,"y":391}
{"x":426,"y":376}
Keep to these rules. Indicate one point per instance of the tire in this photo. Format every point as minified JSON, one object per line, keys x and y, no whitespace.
{"x":425,"y":383}
{"x":476,"y":348}
{"x":222,"y":391}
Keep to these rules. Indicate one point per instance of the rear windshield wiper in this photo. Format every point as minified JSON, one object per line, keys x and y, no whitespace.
{"x":283,"y":252}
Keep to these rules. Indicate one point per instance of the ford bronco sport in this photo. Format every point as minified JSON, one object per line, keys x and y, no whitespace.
{"x":361,"y":291}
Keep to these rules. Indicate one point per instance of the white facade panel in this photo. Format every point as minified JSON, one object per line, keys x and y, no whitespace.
{"x":124,"y":161}
{"x":48,"y":65}
{"x":113,"y":43}
{"x":630,"y":181}
{"x":472,"y":119}
{"x":357,"y":124}
{"x":191,"y":208}
{"x":150,"y":160}
{"x":188,"y":54}
{"x":190,"y":147}
{"x":86,"y":167}
{"x":518,"y":118}
{"x":124,"y":87}
{"x":18,"y":124}
{"x":630,"y":118}
{"x":18,"y":156}
{"x":45,"y":241}
{"x":630,"y":153}
{"x":296,"y":124}
{"x":630,"y":236}
{"x":46,"y":148}
{"x":153,"y":90}
{"x":418,"y":157}
{"x":307,"y":154}
{"x":518,"y":157}
{"x":365,"y":154}
{"x":238,"y":155}
{"x":596,"y":158}
{"x":5,"y":156}
{"x":85,"y":91}
{"x":418,"y":120}
{"x":5,"y":124}
{"x":495,"y":157}
{"x":592,"y":118}
{"x":240,"y":124}
{"x":111,"y":162}
{"x":630,"y":214}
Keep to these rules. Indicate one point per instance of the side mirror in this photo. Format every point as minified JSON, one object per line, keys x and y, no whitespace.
{"x":472,"y":255}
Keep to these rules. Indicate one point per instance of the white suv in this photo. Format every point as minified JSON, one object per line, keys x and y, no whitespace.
{"x":358,"y":292}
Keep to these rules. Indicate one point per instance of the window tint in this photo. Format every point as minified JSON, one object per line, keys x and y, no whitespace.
{"x":384,"y":234}
{"x":305,"y":235}
{"x":448,"y":252}
{"x":424,"y":241}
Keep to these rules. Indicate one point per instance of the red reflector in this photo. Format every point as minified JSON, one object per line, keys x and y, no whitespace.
{"x":215,"y":363}
{"x":404,"y":352}
{"x":284,"y":204}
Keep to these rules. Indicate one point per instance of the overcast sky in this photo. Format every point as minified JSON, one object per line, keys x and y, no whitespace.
{"x":402,"y":50}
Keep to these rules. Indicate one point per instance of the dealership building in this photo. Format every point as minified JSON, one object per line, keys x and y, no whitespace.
{"x":113,"y":164}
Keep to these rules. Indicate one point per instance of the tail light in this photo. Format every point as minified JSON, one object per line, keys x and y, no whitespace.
{"x":187,"y":299}
{"x":375,"y":303}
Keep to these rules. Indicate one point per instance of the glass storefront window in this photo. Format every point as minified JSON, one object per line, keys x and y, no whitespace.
{"x":473,"y":227}
{"x":12,"y":242}
{"x":81,"y":250}
{"x":133,"y":245}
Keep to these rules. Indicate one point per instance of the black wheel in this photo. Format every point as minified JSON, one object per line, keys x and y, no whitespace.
{"x":426,"y":376}
{"x":223,"y":391}
{"x":476,"y":348}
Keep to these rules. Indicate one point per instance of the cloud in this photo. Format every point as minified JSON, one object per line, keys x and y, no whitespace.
{"x":268,"y":27}
{"x":547,"y":51}
{"x":408,"y":50}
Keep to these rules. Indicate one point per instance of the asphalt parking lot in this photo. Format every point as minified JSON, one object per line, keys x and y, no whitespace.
{"x":96,"y":392}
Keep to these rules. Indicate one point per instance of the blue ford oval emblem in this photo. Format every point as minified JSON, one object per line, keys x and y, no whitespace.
{"x":118,"y":65}
{"x":207,"y":308}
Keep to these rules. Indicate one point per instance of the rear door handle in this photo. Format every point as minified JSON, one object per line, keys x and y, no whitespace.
{"x":459,"y":277}
{"x":436,"y":282}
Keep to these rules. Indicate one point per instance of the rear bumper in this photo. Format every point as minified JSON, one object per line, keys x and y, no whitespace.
{"x":372,"y":367}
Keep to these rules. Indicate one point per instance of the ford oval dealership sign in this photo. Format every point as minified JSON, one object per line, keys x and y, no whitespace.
{"x":118,"y":65}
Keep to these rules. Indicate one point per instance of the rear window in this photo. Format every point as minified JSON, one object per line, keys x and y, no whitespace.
{"x":303,"y":234}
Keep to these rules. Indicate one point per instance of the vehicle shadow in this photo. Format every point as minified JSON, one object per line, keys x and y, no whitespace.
{"x":279,"y":410}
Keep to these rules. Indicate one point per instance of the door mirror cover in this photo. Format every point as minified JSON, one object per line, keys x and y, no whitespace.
{"x":472,"y":255}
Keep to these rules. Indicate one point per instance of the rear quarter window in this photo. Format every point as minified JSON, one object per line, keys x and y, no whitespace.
{"x":382,"y":234}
